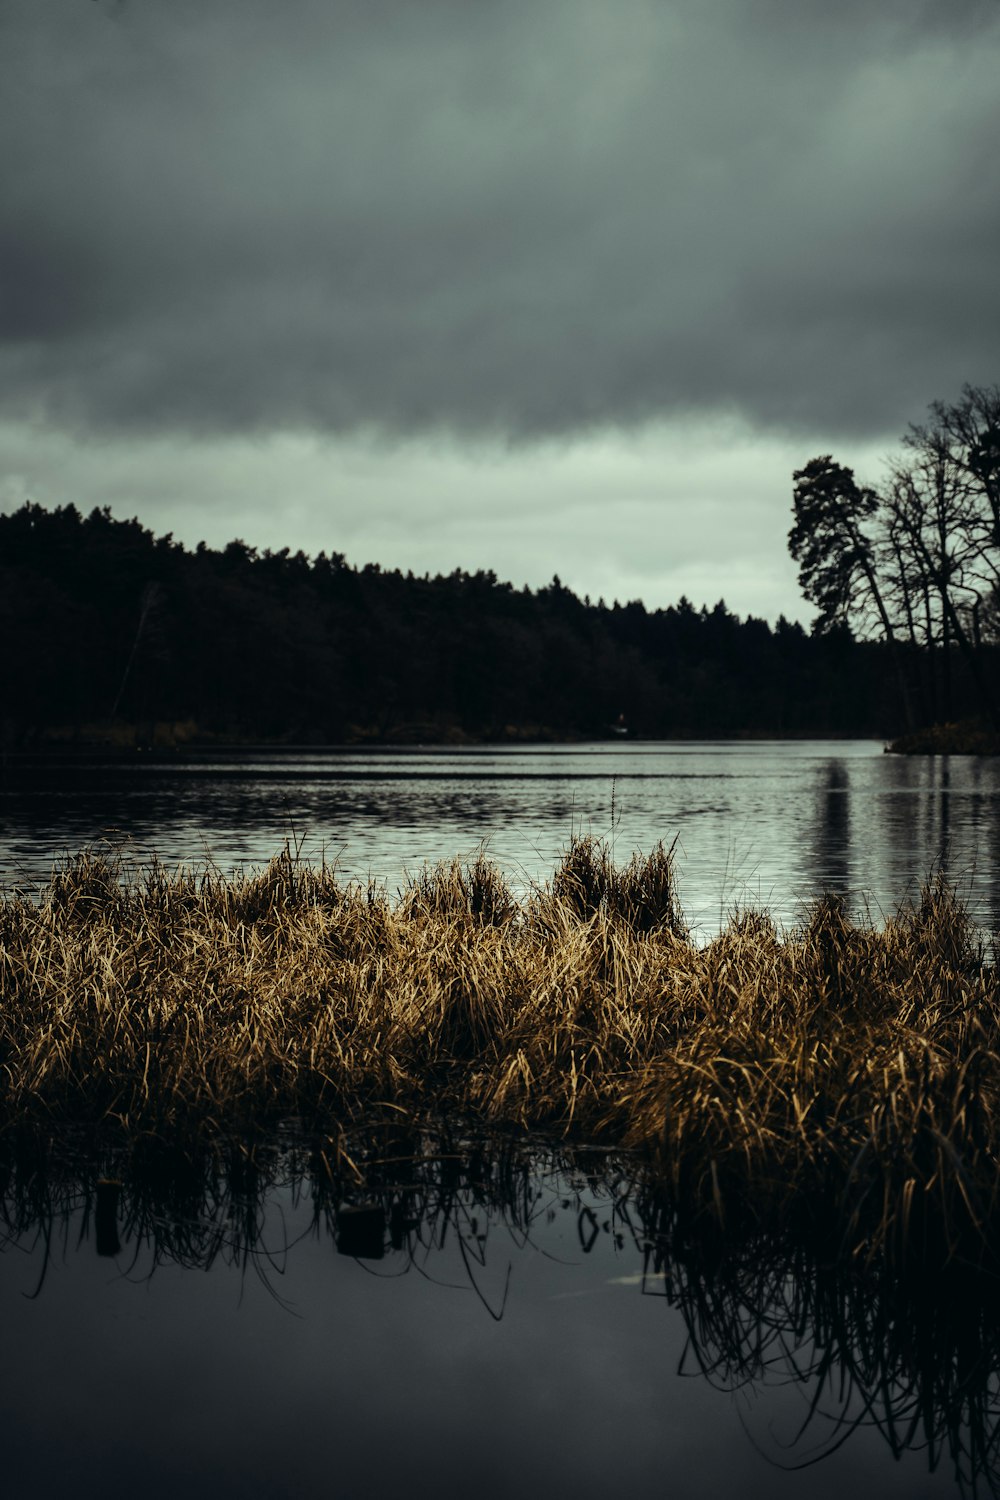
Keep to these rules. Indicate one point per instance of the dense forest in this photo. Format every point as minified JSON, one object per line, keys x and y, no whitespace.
{"x":111,"y":632}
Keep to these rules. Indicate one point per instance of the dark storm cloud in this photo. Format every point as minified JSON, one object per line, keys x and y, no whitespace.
{"x":509,"y":218}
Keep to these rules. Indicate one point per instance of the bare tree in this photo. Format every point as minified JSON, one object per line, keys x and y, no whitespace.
{"x":947,"y":496}
{"x":926,"y":512}
{"x":917,"y":561}
{"x":967,"y":433}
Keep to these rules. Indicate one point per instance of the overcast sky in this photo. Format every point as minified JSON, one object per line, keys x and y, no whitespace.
{"x":543,"y":286}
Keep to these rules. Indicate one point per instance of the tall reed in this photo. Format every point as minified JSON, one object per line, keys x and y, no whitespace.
{"x":841,"y":1064}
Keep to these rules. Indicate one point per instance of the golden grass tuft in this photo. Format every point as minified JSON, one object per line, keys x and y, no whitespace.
{"x":765,"y":1072}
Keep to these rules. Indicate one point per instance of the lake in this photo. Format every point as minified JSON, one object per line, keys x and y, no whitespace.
{"x":498,"y":1323}
{"x":480,"y":1321}
{"x":768,"y":824}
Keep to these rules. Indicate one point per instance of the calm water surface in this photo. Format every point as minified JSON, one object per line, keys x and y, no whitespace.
{"x":543,"y":1351}
{"x":528,"y":1341}
{"x":766,"y":824}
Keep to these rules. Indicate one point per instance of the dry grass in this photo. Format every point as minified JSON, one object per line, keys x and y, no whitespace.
{"x":841,"y":1068}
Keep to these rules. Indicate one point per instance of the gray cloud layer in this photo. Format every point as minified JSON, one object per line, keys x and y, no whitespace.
{"x":510,"y":218}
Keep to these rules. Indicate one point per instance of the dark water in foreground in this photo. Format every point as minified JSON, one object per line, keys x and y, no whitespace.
{"x":475,"y":1325}
{"x":765,"y":824}
{"x":521,"y":1331}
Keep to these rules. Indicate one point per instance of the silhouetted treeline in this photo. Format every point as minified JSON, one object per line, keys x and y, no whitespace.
{"x":103,"y":623}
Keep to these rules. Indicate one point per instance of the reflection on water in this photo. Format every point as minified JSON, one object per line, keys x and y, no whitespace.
{"x":770,"y":824}
{"x":448,"y":1318}
{"x":444,"y":1314}
{"x":833,"y":831}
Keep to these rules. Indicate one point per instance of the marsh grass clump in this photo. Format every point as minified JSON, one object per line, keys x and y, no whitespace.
{"x":642,"y":895}
{"x":90,"y":883}
{"x":842,"y":1069}
{"x":452,"y":890}
{"x":646,"y":897}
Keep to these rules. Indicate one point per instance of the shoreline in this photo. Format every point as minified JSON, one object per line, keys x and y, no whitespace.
{"x":56,"y":753}
{"x":964,"y":737}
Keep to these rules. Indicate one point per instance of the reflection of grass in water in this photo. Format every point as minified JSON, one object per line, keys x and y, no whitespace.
{"x":390,"y":1190}
{"x":913,"y":1352}
{"x":910,"y":1350}
{"x":841,"y":1072}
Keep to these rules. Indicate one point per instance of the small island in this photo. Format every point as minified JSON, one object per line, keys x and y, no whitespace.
{"x":840,"y":1077}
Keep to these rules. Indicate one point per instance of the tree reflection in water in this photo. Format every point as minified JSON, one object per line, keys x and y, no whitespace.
{"x":911,"y":1350}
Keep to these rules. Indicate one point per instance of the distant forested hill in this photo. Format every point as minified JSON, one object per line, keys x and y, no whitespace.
{"x":105,"y":624}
